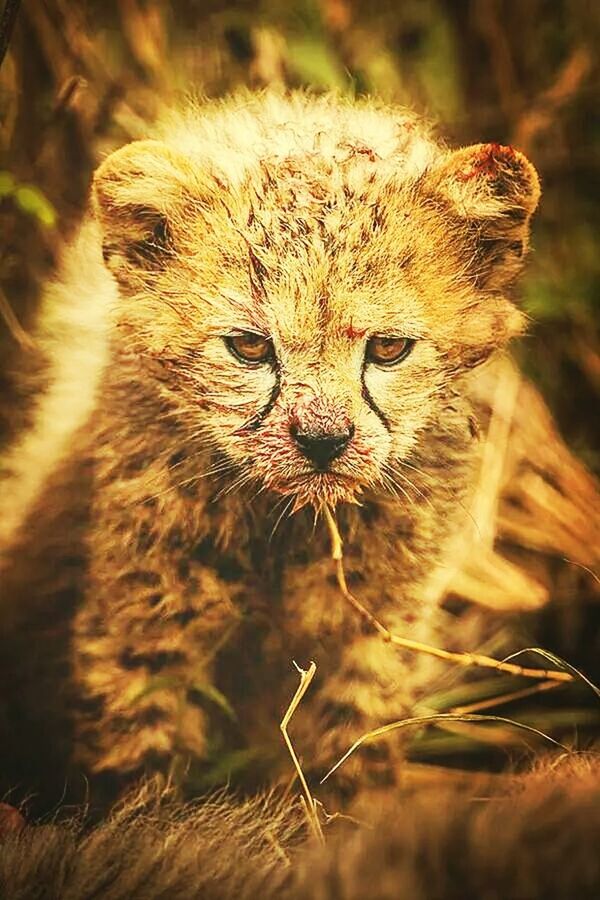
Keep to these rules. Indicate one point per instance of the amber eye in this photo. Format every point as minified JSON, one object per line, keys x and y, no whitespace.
{"x":250,"y":348}
{"x":385,"y":351}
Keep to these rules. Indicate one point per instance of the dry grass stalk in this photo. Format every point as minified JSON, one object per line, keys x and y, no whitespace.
{"x":490,"y":702}
{"x":308,"y":801}
{"x":463,"y":659}
{"x":14,"y":327}
{"x":427,"y":720}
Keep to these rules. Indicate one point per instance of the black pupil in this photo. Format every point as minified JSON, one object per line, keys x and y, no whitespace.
{"x":251,"y":346}
{"x":387,"y":349}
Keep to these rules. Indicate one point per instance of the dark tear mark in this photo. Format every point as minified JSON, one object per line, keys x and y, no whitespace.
{"x":256,"y":421}
{"x":371,"y":403}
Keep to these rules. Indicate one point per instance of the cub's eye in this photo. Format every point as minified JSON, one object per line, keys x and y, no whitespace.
{"x":251,"y":348}
{"x":385,"y":351}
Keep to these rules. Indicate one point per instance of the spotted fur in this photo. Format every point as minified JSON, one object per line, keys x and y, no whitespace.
{"x":316,"y":222}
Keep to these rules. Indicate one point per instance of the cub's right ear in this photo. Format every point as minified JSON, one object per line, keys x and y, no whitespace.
{"x":138,"y":194}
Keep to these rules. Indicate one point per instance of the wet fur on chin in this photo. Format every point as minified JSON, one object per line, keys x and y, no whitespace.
{"x":536,"y":836}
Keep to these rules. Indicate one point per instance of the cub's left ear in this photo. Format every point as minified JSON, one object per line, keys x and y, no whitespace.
{"x":139,"y":193}
{"x":493,"y":190}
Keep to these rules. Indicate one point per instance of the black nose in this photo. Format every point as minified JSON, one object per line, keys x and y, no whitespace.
{"x":321,"y":448}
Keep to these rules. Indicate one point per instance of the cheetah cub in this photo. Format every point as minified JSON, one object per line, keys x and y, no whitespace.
{"x":275,"y":303}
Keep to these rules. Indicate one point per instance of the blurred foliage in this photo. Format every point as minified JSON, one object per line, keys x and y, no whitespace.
{"x":81,"y":78}
{"x":28,"y":199}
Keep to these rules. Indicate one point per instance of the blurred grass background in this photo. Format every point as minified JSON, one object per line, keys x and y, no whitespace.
{"x":79,"y":79}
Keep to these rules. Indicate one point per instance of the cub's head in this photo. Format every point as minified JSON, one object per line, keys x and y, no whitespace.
{"x":310,"y":310}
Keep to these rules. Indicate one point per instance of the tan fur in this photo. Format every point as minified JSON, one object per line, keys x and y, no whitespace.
{"x":318,"y":223}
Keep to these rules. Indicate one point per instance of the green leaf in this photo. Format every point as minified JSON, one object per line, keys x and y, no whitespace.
{"x":315,"y":64}
{"x":215,"y":696}
{"x":229,"y":765}
{"x":159,"y":683}
{"x":31,"y":200}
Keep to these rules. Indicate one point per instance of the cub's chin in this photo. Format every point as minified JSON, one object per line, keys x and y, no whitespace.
{"x":318,"y":489}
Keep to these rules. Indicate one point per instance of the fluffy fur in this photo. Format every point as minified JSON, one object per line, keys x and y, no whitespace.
{"x":526,"y":839}
{"x":317,"y":223}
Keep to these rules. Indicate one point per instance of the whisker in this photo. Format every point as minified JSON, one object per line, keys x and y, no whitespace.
{"x":283,"y":513}
{"x":215,"y":470}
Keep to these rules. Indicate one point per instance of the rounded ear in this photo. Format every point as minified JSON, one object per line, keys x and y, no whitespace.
{"x":136,"y":192}
{"x":494,"y":190}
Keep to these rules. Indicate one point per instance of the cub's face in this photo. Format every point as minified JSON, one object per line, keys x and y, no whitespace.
{"x":311,"y":318}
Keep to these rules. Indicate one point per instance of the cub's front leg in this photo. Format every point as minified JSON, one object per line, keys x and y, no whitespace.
{"x":362,"y":681}
{"x":144,"y":641}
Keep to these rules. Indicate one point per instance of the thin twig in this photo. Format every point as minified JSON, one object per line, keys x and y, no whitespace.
{"x":308,"y":801}
{"x":463,"y":659}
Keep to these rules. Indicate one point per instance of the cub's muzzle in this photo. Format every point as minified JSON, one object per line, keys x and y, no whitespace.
{"x":321,"y":448}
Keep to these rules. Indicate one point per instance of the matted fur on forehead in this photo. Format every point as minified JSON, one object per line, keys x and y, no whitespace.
{"x":276,"y":127}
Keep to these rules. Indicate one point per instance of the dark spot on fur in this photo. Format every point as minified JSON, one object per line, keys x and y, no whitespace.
{"x":516,"y":248}
{"x":176,"y":458}
{"x":175,"y":539}
{"x":474,"y":429}
{"x":119,"y":724}
{"x":204,"y":551}
{"x":154,"y":662}
{"x":151,"y":715}
{"x":229,"y":569}
{"x":191,"y":588}
{"x":370,"y":513}
{"x":354,"y":578}
{"x":516,"y":215}
{"x":188,"y":489}
{"x":360,"y":676}
{"x":157,"y":245}
{"x":379,"y":752}
{"x":456,"y":606}
{"x":165,"y":658}
{"x":133,"y":465}
{"x":140,"y":577}
{"x":334,"y":714}
{"x":129,"y":660}
{"x":95,"y":626}
{"x":145,"y":540}
{"x":183,"y":569}
{"x":154,"y":599}
{"x":186,"y":616}
{"x":90,"y":707}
